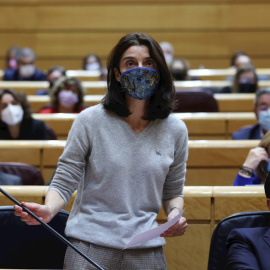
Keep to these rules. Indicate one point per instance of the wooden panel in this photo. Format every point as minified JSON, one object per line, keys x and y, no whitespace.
{"x":61,"y":123}
{"x":212,"y":176}
{"x":59,"y":2}
{"x":197,"y":204}
{"x":88,"y":17}
{"x":51,"y":152}
{"x":200,"y":124}
{"x":226,"y":153}
{"x":231,"y":200}
{"x":236,"y":124}
{"x":189,"y":251}
{"x":235,"y":102}
{"x":23,"y":193}
{"x":226,"y":102}
{"x":197,"y":44}
{"x":21,"y":151}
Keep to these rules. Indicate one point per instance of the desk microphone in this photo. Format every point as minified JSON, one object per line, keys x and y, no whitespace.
{"x":63,"y":239}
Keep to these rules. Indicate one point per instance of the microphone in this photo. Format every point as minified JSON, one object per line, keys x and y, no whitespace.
{"x":63,"y":239}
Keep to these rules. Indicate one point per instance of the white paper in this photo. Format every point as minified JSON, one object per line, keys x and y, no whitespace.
{"x":156,"y":232}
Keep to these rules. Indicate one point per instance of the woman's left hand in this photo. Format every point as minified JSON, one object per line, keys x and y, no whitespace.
{"x":177,"y":229}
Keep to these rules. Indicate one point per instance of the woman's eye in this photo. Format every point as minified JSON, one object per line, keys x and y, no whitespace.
{"x":129,"y":63}
{"x":150,"y":63}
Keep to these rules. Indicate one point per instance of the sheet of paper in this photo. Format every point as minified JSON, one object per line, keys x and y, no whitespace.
{"x":156,"y":232}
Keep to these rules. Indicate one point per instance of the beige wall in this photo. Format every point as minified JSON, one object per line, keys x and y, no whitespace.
{"x":205,"y":32}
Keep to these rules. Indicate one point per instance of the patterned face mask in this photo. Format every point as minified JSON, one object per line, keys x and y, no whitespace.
{"x":140,"y":83}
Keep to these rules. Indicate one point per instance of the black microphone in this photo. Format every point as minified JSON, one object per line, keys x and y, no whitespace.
{"x":63,"y":239}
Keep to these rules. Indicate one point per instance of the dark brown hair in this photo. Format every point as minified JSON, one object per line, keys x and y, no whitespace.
{"x":162,"y":102}
{"x":21,"y":98}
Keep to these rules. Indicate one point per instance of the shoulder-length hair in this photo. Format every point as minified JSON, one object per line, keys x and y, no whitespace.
{"x":60,"y":84}
{"x":261,"y":170}
{"x":162,"y":102}
{"x":241,"y":70}
{"x":21,"y":98}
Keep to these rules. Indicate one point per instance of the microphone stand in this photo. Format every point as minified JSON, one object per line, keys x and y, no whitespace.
{"x":63,"y":239}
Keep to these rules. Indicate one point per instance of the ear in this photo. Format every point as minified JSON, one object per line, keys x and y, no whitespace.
{"x":268,"y":203}
{"x":117,"y":74}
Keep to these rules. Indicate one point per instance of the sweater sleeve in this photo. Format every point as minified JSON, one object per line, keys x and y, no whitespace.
{"x":71,"y":164}
{"x":243,"y":181}
{"x":174,"y":183}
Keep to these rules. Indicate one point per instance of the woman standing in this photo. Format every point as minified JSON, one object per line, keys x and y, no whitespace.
{"x":125,"y":157}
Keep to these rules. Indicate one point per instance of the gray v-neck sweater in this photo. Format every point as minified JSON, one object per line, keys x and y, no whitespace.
{"x":121,"y":177}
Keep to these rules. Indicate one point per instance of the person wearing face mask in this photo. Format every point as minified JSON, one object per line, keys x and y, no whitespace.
{"x":66,"y":96}
{"x":92,"y":62}
{"x":168,"y":51}
{"x":26,"y":69}
{"x":16,"y":122}
{"x":245,"y":81}
{"x":53,"y":74}
{"x":256,"y":166}
{"x":126,"y":157}
{"x":262,"y":112}
{"x":11,"y":57}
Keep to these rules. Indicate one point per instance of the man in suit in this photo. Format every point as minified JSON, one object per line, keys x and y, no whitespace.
{"x":262,"y":112}
{"x":249,"y":248}
{"x":26,"y":70}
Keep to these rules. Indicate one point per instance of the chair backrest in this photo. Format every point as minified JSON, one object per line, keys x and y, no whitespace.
{"x":50,"y":133}
{"x":29,"y":174}
{"x":195,"y":100}
{"x":218,"y":250}
{"x":26,"y":247}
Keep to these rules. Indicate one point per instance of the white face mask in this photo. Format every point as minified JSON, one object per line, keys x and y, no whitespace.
{"x":92,"y":66}
{"x":168,"y":58}
{"x":26,"y":71}
{"x":12,"y":114}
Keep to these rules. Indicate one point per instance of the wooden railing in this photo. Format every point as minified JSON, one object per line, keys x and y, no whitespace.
{"x":204,"y":208}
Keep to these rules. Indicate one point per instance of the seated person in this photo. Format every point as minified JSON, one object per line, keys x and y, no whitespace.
{"x":92,"y":62}
{"x":244,"y":81}
{"x":179,"y":69}
{"x":249,"y":248}
{"x":11,"y":57}
{"x":256,"y":165}
{"x":10,"y":179}
{"x":53,"y":74}
{"x":262,"y":112}
{"x":239,"y":59}
{"x":66,"y":96}
{"x":16,"y":122}
{"x":26,"y":70}
{"x":168,"y":51}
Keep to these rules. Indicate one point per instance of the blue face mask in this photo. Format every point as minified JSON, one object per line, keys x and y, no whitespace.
{"x":264,"y":119}
{"x":140,"y":83}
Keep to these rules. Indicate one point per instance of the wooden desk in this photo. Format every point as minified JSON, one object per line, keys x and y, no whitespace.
{"x":201,"y":126}
{"x":209,"y":163}
{"x":100,"y":87}
{"x":204,"y":208}
{"x":221,"y":74}
{"x":226,"y":102}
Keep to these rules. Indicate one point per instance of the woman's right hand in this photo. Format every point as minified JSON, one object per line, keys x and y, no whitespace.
{"x":255,"y":156}
{"x":42,"y":211}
